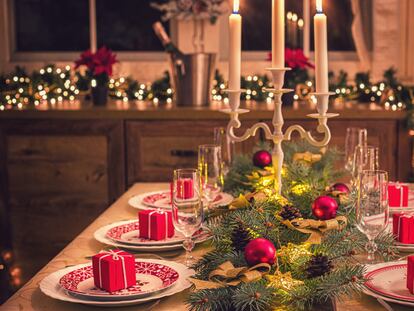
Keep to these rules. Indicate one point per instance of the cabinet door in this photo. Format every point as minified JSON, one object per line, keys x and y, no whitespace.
{"x":156,"y":148}
{"x":381,"y":133}
{"x":60,"y":176}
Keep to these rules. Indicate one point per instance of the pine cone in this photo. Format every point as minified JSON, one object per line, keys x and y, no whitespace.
{"x":289,"y":212}
{"x":240,"y":237}
{"x":318,"y":265}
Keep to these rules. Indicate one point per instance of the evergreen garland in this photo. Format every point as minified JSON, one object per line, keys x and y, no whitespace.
{"x":315,"y":273}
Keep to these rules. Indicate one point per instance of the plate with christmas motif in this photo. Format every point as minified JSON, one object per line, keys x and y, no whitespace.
{"x":100,"y":236}
{"x":127,"y":232}
{"x":50,"y":287}
{"x":152,"y":277}
{"x":389,"y":280}
{"x":162,"y":199}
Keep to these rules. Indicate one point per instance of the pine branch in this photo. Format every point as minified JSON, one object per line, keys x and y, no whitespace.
{"x":253,"y":297}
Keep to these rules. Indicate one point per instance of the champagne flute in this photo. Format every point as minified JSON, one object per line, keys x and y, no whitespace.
{"x":187,"y":209}
{"x":211,"y":171}
{"x":372,"y":207}
{"x":365,"y":158}
{"x":354,"y":137}
{"x":227,"y":147}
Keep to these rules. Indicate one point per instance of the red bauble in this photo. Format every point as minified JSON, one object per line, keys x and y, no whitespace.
{"x":324,"y":207}
{"x":341,"y":187}
{"x":260,"y":250}
{"x":262,"y":158}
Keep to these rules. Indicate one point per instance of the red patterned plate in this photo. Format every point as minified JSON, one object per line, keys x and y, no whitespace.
{"x":162,"y":199}
{"x":390,"y":280}
{"x":128,"y":233}
{"x":151,"y":278}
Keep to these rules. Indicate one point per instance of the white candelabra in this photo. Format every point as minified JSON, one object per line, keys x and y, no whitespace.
{"x":277,"y":136}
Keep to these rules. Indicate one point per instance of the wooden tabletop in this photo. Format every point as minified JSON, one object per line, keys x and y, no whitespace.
{"x":29,"y":297}
{"x":144,"y":110}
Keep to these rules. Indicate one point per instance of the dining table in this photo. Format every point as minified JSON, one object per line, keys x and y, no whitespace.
{"x":79,"y":251}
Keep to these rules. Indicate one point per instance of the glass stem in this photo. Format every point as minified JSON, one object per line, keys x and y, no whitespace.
{"x":371,"y":248}
{"x":188,"y":246}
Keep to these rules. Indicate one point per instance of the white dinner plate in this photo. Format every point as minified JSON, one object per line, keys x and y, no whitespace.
{"x":100,"y":235}
{"x":152,"y":277}
{"x":50,"y":287}
{"x":127,"y":232}
{"x":388,"y":280}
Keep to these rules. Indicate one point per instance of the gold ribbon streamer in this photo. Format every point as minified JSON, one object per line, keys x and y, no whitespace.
{"x":227,"y":275}
{"x":316,"y":228}
{"x":307,"y":156}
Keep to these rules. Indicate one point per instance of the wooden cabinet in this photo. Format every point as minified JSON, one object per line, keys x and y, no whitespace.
{"x":59,"y":177}
{"x":155,"y":149}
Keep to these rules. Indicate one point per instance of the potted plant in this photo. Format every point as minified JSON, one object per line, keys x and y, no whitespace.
{"x":99,"y":68}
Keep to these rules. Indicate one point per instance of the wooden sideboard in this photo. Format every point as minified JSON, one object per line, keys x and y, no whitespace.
{"x":62,"y":165}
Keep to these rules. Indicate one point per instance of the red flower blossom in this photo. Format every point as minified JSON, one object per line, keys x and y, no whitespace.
{"x":294,"y":58}
{"x":98,"y":63}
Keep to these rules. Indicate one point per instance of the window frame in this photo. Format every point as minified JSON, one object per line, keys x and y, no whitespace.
{"x":156,"y":56}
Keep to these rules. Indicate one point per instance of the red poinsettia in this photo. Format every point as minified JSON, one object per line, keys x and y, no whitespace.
{"x":97,"y":63}
{"x":294,"y":58}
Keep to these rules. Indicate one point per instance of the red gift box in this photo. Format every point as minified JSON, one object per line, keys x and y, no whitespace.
{"x":397,"y":195}
{"x":155,"y":225}
{"x":114,"y":270}
{"x":403,"y":227}
{"x":410,"y":274}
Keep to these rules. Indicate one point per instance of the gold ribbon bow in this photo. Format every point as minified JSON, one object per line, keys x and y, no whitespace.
{"x":307,"y":157}
{"x":227,"y":275}
{"x":316,"y":228}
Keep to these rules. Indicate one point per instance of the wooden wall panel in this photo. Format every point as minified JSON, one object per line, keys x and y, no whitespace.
{"x":60,"y":176}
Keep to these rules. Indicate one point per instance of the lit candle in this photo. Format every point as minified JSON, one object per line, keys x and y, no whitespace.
{"x":321,"y":49}
{"x":278,"y":33}
{"x":235,"y":30}
{"x":306,"y":29}
{"x":92,"y":26}
{"x":300,"y":40}
{"x":294,"y":30}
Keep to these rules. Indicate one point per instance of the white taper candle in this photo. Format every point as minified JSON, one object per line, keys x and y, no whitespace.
{"x":235,"y":31}
{"x":321,"y":50}
{"x":278,"y":33}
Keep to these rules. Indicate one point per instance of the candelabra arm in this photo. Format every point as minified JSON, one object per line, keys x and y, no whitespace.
{"x":235,"y":123}
{"x":322,"y":128}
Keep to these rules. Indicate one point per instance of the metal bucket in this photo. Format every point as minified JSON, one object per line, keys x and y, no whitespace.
{"x":192,"y":78}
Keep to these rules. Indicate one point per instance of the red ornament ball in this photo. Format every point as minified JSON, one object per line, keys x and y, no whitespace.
{"x":262,"y":158}
{"x":260,"y":250}
{"x":341,"y":187}
{"x":324,"y":207}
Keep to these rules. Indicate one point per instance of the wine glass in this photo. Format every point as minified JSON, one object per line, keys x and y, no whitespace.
{"x":227,"y":147}
{"x":372,"y":207}
{"x":354,"y":137}
{"x":187,"y":209}
{"x":210,"y":166}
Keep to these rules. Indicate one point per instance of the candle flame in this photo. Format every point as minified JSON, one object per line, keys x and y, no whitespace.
{"x":300,"y":23}
{"x":236,"y":6}
{"x":294,"y":17}
{"x":319,"y":6}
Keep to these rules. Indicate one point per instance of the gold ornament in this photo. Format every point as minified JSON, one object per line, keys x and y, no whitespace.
{"x":307,"y":157}
{"x":290,"y":253}
{"x":283,"y":281}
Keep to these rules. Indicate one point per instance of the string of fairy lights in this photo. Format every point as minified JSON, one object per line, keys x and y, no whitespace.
{"x":52,"y":85}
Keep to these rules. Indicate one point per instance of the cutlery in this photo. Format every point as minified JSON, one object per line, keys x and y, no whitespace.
{"x":385,"y":304}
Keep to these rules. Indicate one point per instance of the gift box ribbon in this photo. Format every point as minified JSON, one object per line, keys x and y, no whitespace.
{"x":149,"y":222}
{"x":399,"y":187}
{"x":115,"y":256}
